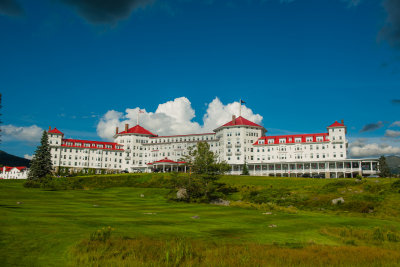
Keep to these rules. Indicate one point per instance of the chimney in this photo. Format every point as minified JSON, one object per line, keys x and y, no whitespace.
{"x":116,"y":130}
{"x":126,"y":127}
{"x":49,"y":128}
{"x":233,"y":119}
{"x":341,"y":122}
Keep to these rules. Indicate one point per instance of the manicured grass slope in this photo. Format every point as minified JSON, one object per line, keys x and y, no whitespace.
{"x":46,"y":225}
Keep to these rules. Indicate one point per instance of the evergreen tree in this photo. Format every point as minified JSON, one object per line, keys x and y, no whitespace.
{"x":245,"y":170}
{"x":384,"y":170}
{"x":41,"y":162}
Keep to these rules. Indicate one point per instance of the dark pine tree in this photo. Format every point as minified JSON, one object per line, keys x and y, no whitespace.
{"x":384,"y":170}
{"x":41,"y":162}
{"x":245,"y":170}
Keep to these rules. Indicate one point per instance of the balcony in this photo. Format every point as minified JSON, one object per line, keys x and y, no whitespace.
{"x":238,"y":153}
{"x":229,"y":153}
{"x":127,"y":158}
{"x":238,"y":145}
{"x":229,"y":145}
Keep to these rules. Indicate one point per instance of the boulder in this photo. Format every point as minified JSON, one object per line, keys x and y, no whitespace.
{"x":336,"y":201}
{"x":182,"y":193}
{"x":220,"y":202}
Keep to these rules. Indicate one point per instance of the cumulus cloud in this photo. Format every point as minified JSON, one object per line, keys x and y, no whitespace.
{"x":391,"y":133}
{"x":27,"y":156}
{"x":11,"y":8}
{"x":106,"y":11}
{"x":396,"y":123}
{"x":173,"y":117}
{"x":360,"y":148}
{"x":14,"y":133}
{"x":372,"y":126}
{"x":391,"y":29}
{"x":217,"y":114}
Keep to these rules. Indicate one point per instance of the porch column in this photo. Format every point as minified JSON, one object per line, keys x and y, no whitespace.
{"x":351,"y":169}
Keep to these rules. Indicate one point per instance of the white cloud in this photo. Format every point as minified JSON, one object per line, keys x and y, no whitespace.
{"x":396,"y":123}
{"x":174,"y":117}
{"x":26,"y":156}
{"x":29,"y":133}
{"x":391,"y":133}
{"x":360,"y":148}
{"x":217,"y":114}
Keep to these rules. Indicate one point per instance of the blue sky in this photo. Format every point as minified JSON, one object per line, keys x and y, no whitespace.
{"x":299,"y":64}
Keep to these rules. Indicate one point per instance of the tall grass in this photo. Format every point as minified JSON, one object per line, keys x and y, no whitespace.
{"x":377,"y":236}
{"x":144,"y":251}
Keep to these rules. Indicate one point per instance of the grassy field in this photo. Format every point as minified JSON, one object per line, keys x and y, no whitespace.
{"x":52,"y":228}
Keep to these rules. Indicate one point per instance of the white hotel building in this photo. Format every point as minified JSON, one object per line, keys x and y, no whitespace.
{"x":237,"y":142}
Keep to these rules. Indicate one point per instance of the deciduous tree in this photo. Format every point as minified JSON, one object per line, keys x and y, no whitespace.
{"x":206,"y":168}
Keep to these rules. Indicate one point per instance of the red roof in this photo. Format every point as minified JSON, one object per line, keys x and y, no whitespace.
{"x":241,"y":121}
{"x":7,"y":168}
{"x":181,"y":135}
{"x":336,"y":124}
{"x":166,"y":160}
{"x":55,"y":131}
{"x":138,"y":130}
{"x":91,"y":144}
{"x":10,"y":168}
{"x":291,"y":138}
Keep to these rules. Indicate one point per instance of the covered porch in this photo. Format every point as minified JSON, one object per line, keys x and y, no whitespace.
{"x":166,"y":165}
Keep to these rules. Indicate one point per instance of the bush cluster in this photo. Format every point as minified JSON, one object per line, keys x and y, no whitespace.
{"x":102,"y":234}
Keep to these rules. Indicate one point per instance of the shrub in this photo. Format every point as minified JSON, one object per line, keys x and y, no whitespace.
{"x":358,"y":206}
{"x":396,"y":185}
{"x":333,"y":186}
{"x":31,"y":184}
{"x":102,"y":234}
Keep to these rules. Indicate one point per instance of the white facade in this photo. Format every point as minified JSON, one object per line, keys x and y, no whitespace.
{"x":14,"y":172}
{"x":84,"y":155}
{"x":237,"y":142}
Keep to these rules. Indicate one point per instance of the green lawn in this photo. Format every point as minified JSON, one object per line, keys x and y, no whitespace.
{"x":42,"y":229}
